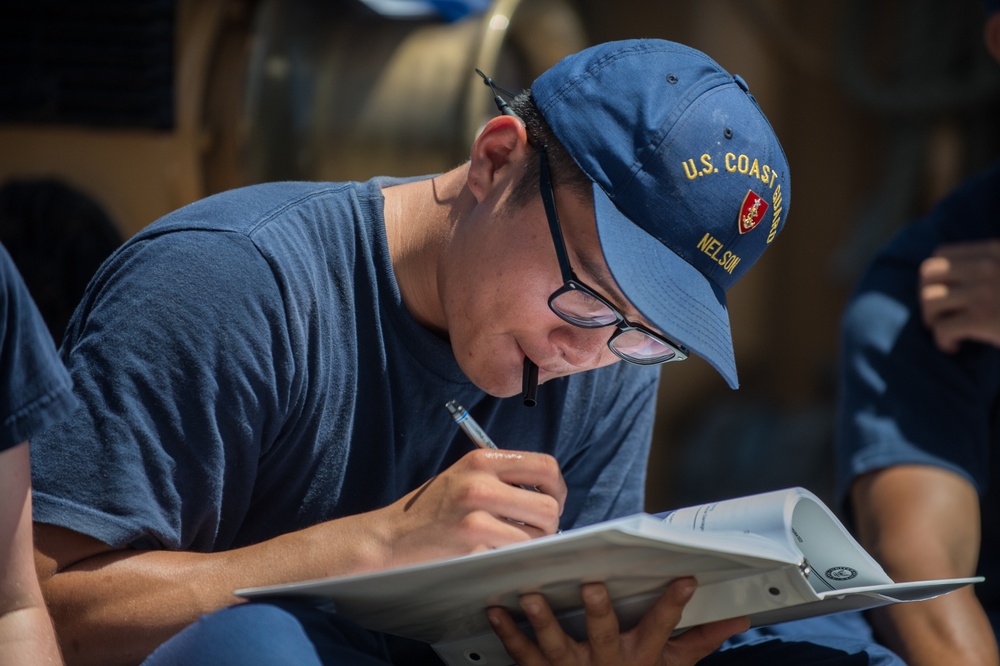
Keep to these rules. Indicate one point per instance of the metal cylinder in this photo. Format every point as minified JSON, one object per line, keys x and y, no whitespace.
{"x":335,"y":95}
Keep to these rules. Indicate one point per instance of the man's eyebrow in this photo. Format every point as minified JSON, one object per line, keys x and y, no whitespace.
{"x":600,"y":274}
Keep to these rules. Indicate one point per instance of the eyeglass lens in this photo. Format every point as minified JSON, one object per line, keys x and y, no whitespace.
{"x":579,"y":306}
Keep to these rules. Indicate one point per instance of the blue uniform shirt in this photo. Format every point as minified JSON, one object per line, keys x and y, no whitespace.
{"x":35,"y":390}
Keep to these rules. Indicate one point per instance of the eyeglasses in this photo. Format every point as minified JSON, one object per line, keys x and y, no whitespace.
{"x":579,"y":305}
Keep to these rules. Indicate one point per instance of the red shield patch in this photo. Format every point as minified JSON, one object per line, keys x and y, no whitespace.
{"x":751,"y":212}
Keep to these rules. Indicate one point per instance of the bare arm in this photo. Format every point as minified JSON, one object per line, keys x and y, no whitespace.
{"x":135,"y":600}
{"x":922,"y":522}
{"x":26,"y":635}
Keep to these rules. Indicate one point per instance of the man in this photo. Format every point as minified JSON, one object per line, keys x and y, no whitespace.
{"x":919,"y":419}
{"x":265,"y":372}
{"x":36,"y":392}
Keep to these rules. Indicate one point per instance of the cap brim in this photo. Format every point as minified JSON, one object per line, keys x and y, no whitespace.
{"x":676,"y":298}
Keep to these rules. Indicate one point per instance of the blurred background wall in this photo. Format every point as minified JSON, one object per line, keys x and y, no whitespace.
{"x":113,"y":113}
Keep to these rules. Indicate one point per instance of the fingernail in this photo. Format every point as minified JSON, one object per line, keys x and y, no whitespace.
{"x":531,"y":607}
{"x":686,"y":588}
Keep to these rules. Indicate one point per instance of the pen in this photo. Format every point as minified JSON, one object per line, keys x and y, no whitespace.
{"x":469,"y":425}
{"x":475,"y":431}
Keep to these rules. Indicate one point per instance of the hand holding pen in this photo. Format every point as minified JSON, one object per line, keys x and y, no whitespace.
{"x":473,"y":504}
{"x":478,"y":436}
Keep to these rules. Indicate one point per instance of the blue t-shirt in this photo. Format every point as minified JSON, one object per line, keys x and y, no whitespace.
{"x":247,"y":368}
{"x":36,"y":390}
{"x":903,"y":401}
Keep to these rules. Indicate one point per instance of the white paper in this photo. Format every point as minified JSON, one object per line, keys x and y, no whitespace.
{"x":773,"y":557}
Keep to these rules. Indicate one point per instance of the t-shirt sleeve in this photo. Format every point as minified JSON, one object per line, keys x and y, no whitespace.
{"x":179,"y":357}
{"x":36,"y":390}
{"x":902,"y":400}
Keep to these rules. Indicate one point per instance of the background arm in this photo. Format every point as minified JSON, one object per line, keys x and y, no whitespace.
{"x":26,"y":635}
{"x":922,"y":523}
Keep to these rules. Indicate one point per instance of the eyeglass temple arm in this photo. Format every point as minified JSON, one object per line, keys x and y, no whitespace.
{"x":497,"y":99}
{"x":545,"y":184}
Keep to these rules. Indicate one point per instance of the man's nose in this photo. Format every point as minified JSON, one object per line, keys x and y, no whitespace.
{"x":583,"y":347}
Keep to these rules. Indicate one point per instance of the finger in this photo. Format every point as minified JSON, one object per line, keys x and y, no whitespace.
{"x":938,"y":302}
{"x":934,"y":270}
{"x":653,"y":631}
{"x":538,"y":471}
{"x":538,"y":512}
{"x":933,"y":300}
{"x":535,"y":514}
{"x":962,"y":311}
{"x":602,"y":624}
{"x":521,"y":649}
{"x":942,"y":289}
{"x":539,"y":509}
{"x":554,"y":644}
{"x":487,"y":530}
{"x":959,"y":264}
{"x":521,"y":468}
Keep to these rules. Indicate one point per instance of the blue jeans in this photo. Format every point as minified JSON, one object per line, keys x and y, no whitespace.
{"x":276,"y":634}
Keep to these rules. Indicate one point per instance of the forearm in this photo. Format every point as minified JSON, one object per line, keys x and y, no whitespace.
{"x":922,"y":523}
{"x":26,"y":635}
{"x":27,"y":638}
{"x":952,"y":629}
{"x":114,"y":607}
{"x":117,"y":606}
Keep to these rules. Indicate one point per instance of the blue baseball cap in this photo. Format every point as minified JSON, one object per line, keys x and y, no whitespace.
{"x":690,"y":183}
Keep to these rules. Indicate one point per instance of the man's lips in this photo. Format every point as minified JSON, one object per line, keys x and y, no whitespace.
{"x":547,"y":368}
{"x":549,"y":365}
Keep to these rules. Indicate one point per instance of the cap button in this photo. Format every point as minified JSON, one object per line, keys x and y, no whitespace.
{"x":741,"y":83}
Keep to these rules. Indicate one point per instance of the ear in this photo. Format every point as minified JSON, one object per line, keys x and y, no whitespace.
{"x":991,"y":34}
{"x":501,"y":144}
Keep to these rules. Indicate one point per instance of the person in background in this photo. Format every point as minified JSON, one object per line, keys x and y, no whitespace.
{"x":35,"y":392}
{"x":918,"y":431}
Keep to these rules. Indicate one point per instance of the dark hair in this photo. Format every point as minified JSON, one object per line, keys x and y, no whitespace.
{"x":563,"y":169}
